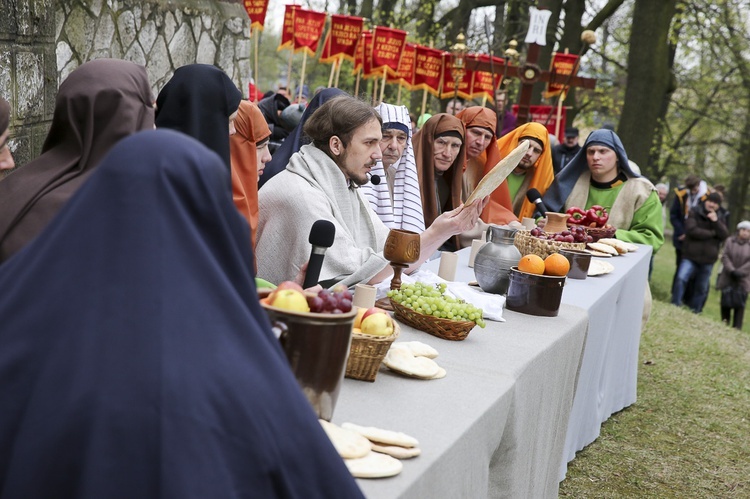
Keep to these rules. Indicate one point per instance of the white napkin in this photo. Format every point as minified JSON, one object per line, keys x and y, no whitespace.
{"x":491,"y":304}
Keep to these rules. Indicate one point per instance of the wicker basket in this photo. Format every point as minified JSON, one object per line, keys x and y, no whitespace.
{"x":597,"y":233}
{"x":527,"y":244}
{"x":367,"y":353}
{"x":442,"y":328}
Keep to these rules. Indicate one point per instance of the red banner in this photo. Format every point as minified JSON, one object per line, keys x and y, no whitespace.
{"x":449,"y":85}
{"x":405,"y":74}
{"x":562,"y":64}
{"x":256,"y":11}
{"x":287,"y":30}
{"x":540,"y":113}
{"x":483,"y":83}
{"x":428,"y":68}
{"x":363,"y":57}
{"x":308,"y":28}
{"x":341,"y":40}
{"x":387,"y":46}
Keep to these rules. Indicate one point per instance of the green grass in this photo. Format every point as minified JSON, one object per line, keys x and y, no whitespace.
{"x":688,"y":435}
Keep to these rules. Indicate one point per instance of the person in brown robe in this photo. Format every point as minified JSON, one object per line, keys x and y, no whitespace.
{"x":98,"y":104}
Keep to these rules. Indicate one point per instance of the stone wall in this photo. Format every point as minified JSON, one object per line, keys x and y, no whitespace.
{"x":40,"y":49}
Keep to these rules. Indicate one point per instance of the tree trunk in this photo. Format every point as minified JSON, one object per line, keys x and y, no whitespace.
{"x":649,"y":77}
{"x":740,"y":176}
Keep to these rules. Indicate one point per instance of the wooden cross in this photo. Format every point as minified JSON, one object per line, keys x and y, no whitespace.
{"x":529,"y":74}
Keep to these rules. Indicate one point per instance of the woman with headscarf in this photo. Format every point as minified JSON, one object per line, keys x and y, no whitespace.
{"x":249,"y":153}
{"x":599,"y":174}
{"x":534,"y":171}
{"x":481,"y":121}
{"x":295,"y":140}
{"x":6,"y":158}
{"x":98,"y":104}
{"x":440,"y":154}
{"x":201,"y":101}
{"x":151,"y":370}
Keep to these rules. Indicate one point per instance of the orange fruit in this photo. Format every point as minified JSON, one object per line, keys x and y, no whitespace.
{"x":556,"y":265}
{"x":532,"y":264}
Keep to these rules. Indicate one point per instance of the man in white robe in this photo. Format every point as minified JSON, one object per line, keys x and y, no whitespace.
{"x":322,"y":182}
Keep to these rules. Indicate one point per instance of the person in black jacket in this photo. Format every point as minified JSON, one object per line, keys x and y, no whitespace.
{"x":564,"y":152}
{"x":704,"y":233}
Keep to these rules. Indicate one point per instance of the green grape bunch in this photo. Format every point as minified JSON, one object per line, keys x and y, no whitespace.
{"x":429,"y":299}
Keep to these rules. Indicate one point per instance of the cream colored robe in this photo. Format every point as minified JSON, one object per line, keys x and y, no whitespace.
{"x":313,"y":188}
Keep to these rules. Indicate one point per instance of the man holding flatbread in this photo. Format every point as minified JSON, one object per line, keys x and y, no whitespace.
{"x":534,"y":171}
{"x":322,"y":181}
{"x":482,"y":154}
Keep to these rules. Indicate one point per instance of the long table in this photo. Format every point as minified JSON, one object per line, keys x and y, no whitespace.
{"x":517,"y":397}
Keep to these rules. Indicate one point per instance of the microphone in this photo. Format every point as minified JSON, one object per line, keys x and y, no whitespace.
{"x":534,"y":197}
{"x":321,"y":237}
{"x":375,"y":179}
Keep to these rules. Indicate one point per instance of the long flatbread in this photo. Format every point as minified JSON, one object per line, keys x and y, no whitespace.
{"x":499,"y":172}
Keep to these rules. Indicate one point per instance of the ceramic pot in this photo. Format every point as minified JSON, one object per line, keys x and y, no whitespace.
{"x":493,"y":262}
{"x":579,"y":263}
{"x":556,"y":222}
{"x":317,"y":347}
{"x":534,"y":294}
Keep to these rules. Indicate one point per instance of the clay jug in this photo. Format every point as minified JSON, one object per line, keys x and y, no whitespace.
{"x":493,"y":262}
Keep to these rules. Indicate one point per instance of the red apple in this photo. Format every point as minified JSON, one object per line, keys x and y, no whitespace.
{"x":374,"y":310}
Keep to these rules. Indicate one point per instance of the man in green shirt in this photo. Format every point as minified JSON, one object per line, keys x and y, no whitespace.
{"x":600,"y":175}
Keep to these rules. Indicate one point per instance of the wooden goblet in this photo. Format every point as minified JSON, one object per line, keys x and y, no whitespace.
{"x":401,"y":248}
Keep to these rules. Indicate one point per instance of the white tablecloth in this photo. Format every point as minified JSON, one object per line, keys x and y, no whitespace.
{"x":495,"y":425}
{"x":504,"y":421}
{"x":609,"y":371}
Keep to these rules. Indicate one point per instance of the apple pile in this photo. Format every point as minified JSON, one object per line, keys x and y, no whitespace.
{"x":574,"y":234}
{"x":290,"y":296}
{"x":374,"y":321}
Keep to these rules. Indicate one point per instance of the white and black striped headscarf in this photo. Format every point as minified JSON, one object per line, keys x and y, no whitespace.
{"x":405,"y":211}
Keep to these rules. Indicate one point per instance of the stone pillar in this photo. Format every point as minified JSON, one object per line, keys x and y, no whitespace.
{"x":28,"y":72}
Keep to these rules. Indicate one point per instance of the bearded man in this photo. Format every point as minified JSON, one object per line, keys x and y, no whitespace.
{"x":322,"y":181}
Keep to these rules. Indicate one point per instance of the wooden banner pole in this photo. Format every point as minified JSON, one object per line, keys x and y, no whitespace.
{"x":382,"y":86}
{"x":289,"y":70}
{"x":333,"y":71}
{"x":559,"y":113}
{"x":398,"y":100}
{"x":255,"y":73}
{"x":375,"y":82}
{"x":338,"y":72}
{"x":356,"y":84}
{"x":424,"y":101}
{"x":302,"y":75}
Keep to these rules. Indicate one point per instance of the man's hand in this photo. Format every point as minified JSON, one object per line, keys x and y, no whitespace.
{"x":712,"y":216}
{"x":300,"y":278}
{"x":461,"y":219}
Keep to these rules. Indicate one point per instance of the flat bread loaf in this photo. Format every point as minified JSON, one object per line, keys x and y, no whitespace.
{"x":403,"y":361}
{"x":616,"y":244}
{"x":349,"y":444}
{"x":603,"y":248}
{"x":600,"y":267}
{"x":382,"y":436}
{"x":417,"y":348}
{"x":374,"y":465}
{"x":396,"y":451}
{"x":441,"y":374}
